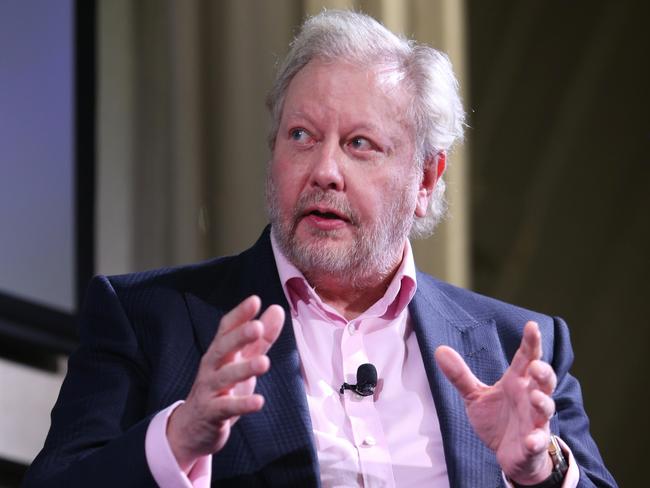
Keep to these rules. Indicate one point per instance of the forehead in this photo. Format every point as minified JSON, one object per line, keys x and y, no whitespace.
{"x":348,"y":93}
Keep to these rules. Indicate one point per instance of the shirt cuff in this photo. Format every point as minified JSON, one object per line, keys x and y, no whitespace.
{"x":163,"y":464}
{"x":572,"y":475}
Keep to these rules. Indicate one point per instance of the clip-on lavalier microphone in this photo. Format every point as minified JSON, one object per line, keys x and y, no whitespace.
{"x":366,"y":381}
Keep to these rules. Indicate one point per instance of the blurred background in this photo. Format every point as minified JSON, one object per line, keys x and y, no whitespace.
{"x":167,"y":153}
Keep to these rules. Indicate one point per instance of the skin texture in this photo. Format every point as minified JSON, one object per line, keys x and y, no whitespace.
{"x":343,"y":192}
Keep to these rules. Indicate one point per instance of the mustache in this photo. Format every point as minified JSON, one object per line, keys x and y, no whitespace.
{"x":332,"y":200}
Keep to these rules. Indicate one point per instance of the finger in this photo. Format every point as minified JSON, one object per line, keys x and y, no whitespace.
{"x":242,"y":313}
{"x":543,"y":406}
{"x":529,"y":349}
{"x":457,"y":371}
{"x":225,"y":348}
{"x":273,"y":320}
{"x":230,"y":337}
{"x":232,"y":373}
{"x":543,"y":375}
{"x":229,"y":406}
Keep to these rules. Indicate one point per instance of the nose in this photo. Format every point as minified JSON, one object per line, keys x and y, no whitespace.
{"x":326,"y":171}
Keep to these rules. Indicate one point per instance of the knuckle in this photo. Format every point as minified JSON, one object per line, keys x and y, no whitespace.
{"x":205,"y":361}
{"x":222,"y":384}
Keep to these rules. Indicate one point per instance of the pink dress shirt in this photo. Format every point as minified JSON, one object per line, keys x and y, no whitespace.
{"x":386,"y":440}
{"x":389,"y":439}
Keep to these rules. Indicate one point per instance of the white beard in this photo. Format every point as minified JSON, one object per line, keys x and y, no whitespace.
{"x":374,"y":253}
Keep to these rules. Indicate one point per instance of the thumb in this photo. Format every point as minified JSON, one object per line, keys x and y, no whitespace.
{"x":457,"y":371}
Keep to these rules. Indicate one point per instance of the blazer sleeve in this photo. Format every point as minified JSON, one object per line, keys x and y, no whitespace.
{"x":99,"y":422}
{"x":571,"y":422}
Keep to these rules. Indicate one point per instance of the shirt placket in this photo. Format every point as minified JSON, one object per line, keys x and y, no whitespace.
{"x":368,"y":435}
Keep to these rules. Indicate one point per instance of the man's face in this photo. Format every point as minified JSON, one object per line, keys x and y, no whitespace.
{"x":343,"y":188}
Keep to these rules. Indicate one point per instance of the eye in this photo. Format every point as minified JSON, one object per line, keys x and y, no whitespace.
{"x":299,"y":135}
{"x":361,"y":144}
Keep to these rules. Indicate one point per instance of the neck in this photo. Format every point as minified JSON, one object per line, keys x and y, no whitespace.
{"x":351,"y":297}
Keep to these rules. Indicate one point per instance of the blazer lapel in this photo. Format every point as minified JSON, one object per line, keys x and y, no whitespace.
{"x":438,"y":320}
{"x":280,"y":435}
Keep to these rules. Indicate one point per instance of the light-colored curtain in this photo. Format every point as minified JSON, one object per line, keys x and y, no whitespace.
{"x":182,"y":124}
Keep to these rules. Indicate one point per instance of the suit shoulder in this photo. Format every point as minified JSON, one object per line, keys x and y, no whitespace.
{"x":181,"y":278}
{"x":482,"y":306}
{"x":468,"y":310}
{"x":212,"y":274}
{"x":157,"y":292}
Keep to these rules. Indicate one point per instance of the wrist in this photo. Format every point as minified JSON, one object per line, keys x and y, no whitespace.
{"x":544,"y":469}
{"x":558,"y":469}
{"x":181,"y":453}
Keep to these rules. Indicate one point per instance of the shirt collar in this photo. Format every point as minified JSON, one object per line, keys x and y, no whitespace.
{"x":397,"y":297}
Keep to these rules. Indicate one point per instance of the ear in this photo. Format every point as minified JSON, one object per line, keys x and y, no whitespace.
{"x":434,"y":167}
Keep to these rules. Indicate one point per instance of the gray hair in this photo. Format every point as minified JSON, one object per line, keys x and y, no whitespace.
{"x":436,"y":111}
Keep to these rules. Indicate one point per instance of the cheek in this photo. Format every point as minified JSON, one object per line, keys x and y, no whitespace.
{"x":401,"y":195}
{"x":370,"y":198}
{"x":287,"y":185}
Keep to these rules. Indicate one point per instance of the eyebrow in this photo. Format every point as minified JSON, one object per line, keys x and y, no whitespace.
{"x":391,"y":142}
{"x":362,"y":126}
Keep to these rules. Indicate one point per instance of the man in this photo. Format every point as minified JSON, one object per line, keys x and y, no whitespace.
{"x":177,"y":382}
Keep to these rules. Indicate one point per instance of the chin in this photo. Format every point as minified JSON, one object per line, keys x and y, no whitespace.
{"x":307,"y":236}
{"x":323,"y":254}
{"x":323,"y":243}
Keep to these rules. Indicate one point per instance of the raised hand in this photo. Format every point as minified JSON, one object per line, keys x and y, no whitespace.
{"x":224,"y":385}
{"x":511,"y":416}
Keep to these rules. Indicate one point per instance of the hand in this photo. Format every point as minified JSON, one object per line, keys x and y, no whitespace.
{"x":512,"y":416}
{"x":224,"y":385}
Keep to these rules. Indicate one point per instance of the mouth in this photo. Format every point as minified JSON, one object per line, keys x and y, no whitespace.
{"x":325,"y":214}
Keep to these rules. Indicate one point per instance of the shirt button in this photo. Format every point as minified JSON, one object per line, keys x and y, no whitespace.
{"x":351,"y":329}
{"x":369,"y":441}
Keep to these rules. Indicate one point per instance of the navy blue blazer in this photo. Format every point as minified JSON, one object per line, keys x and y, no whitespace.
{"x":142,"y":336}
